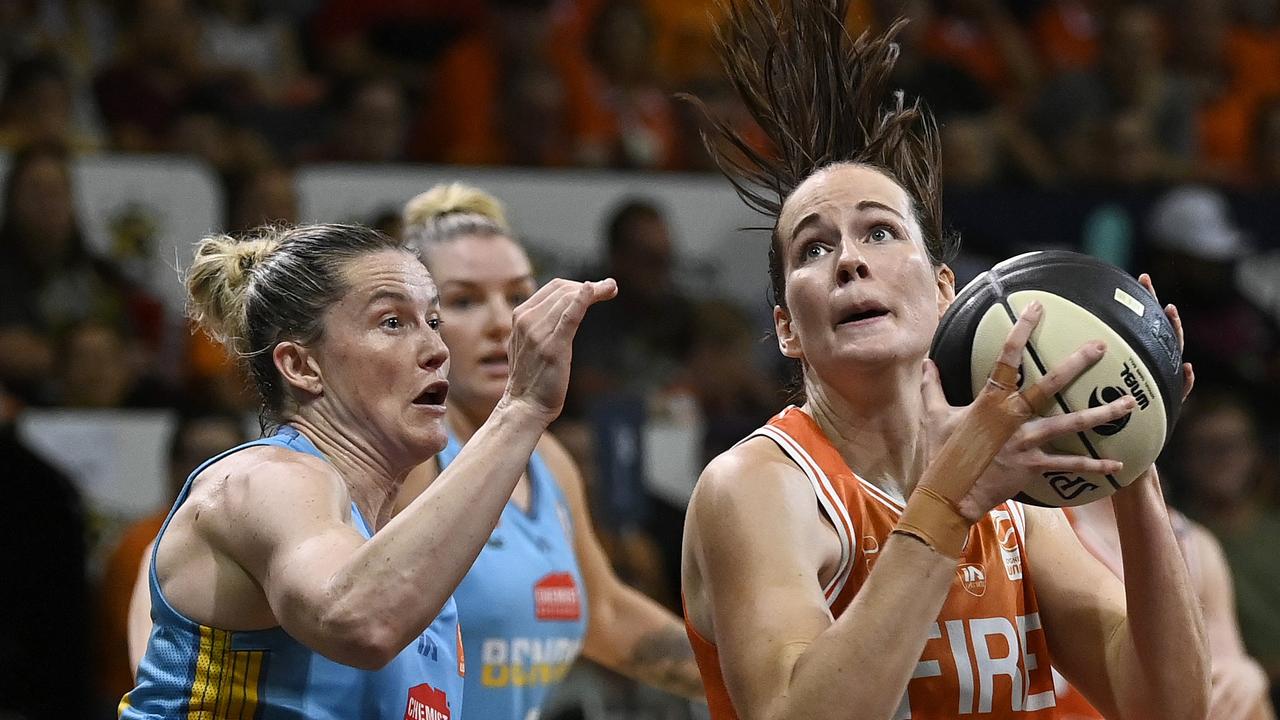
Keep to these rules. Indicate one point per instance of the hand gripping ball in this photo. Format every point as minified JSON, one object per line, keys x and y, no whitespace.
{"x":1084,"y":299}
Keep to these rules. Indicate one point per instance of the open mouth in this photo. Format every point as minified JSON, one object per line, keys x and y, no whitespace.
{"x":868,"y":313}
{"x":494,"y":359}
{"x":435,"y":394}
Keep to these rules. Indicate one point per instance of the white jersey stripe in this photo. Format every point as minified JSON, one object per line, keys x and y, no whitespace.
{"x":827,"y":498}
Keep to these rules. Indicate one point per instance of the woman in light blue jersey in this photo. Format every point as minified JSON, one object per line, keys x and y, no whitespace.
{"x":279,"y":585}
{"x":541,"y":589}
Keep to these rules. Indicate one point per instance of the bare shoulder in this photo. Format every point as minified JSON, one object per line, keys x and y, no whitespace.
{"x":750,"y":472}
{"x":257,"y":482}
{"x":559,"y":461}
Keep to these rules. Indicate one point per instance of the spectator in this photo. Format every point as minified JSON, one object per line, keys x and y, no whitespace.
{"x":44,"y":609}
{"x":1068,"y":33}
{"x":197,"y":437}
{"x":37,"y":106}
{"x":49,"y":279}
{"x":1194,"y":244}
{"x":643,"y":130}
{"x":101,"y":367}
{"x":982,"y":38}
{"x":157,"y":69}
{"x":1223,"y":480}
{"x":1127,"y":100}
{"x":1230,"y":73}
{"x":369,"y":124}
{"x":263,"y":196}
{"x":642,"y":343}
{"x":245,"y":37}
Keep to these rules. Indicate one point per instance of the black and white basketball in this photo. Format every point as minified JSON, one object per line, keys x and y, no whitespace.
{"x":1084,"y":299}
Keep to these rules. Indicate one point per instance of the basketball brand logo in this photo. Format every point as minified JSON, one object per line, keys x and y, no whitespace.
{"x":1102,"y":396}
{"x":555,"y":597}
{"x":972,"y":579}
{"x":426,"y":703}
{"x":1007,"y":538}
{"x":1068,"y":487}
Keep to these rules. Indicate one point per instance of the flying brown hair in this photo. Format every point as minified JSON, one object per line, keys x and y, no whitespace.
{"x":822,"y":98}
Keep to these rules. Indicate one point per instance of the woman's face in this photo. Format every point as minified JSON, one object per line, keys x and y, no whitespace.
{"x":860,"y":287}
{"x":42,"y":211}
{"x":481,"y":279}
{"x":1220,"y":454}
{"x":381,"y":361}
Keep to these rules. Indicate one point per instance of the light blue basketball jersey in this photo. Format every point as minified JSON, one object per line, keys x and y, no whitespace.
{"x":195,"y":671}
{"x":523,"y":605}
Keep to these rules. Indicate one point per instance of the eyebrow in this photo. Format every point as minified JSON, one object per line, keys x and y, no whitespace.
{"x":815,"y":216}
{"x":399,"y":296}
{"x":505,"y":281}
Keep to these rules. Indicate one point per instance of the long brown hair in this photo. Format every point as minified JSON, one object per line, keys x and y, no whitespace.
{"x":822,"y":98}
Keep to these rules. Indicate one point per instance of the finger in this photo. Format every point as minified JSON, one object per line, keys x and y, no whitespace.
{"x":542,"y":294}
{"x":1145,"y":281}
{"x":1188,"y":379}
{"x":1016,"y":341}
{"x":1039,"y":432}
{"x":601,"y":290}
{"x":1075,"y":464}
{"x":935,"y":400}
{"x":1065,"y":372}
{"x":571,"y":316}
{"x":1175,"y":319}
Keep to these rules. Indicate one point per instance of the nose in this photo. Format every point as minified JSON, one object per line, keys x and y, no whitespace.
{"x":499,"y":317}
{"x":850,"y":265}
{"x":434,"y":353}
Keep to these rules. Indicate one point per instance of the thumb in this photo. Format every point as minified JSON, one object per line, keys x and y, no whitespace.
{"x":935,"y":400}
{"x":605,"y":289}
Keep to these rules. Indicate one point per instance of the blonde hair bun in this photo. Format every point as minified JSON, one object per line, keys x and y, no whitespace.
{"x":218,"y":280}
{"x":454,"y":199}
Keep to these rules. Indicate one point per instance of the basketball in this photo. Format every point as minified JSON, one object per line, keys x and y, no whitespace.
{"x":1084,"y":299}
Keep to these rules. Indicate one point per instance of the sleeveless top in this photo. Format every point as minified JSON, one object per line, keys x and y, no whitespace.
{"x":522,"y":603}
{"x":192,"y":670}
{"x":1072,"y":702}
{"x":986,"y":653}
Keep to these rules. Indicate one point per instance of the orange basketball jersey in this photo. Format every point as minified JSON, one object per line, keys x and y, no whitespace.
{"x":986,"y":654}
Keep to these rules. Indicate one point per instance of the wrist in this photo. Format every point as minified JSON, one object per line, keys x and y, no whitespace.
{"x":523,"y":413}
{"x":934,"y":520}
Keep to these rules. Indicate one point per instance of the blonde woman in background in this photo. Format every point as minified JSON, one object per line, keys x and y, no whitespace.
{"x":541,"y":590}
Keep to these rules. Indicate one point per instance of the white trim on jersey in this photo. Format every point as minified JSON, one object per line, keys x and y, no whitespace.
{"x":828,"y":499}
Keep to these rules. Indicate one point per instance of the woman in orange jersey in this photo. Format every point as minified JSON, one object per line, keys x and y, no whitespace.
{"x":858,"y":556}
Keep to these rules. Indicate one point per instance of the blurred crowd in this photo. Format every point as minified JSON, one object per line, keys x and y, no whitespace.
{"x":1147,"y":133}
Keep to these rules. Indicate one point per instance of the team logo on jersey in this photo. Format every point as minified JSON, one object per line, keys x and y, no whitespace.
{"x":556,"y":597}
{"x":870,"y":549}
{"x":1007,"y":538}
{"x":973,"y":579}
{"x":426,"y":703}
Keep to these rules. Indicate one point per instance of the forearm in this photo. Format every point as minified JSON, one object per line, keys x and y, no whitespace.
{"x":635,"y":636}
{"x":402,"y":577}
{"x":865,"y":659}
{"x":1161,"y":648}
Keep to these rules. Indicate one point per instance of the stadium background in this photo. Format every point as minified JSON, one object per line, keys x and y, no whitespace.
{"x":1147,"y":133}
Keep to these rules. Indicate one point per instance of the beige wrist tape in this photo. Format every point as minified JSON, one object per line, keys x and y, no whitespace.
{"x":935,"y":521}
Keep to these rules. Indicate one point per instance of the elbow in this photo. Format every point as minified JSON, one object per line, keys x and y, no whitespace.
{"x":371,"y":646}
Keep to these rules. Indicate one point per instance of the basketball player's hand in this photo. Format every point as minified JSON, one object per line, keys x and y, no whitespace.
{"x":1171,"y":312}
{"x":987,"y":452}
{"x":542,"y":342}
{"x":1239,"y":691}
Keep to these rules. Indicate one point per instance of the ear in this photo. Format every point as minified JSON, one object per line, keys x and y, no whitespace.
{"x":946,"y":282}
{"x":788,"y":342}
{"x":298,"y":368}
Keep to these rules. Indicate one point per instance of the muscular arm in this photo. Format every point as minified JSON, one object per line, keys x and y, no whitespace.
{"x":1135,"y":650}
{"x":360,"y":602}
{"x":756,"y":548}
{"x":627,"y":632}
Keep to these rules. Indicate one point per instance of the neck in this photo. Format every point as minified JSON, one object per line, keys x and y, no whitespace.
{"x":876,"y":424}
{"x":372,"y":480}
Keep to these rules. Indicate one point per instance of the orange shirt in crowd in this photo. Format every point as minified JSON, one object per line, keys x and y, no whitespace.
{"x":115,"y":678}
